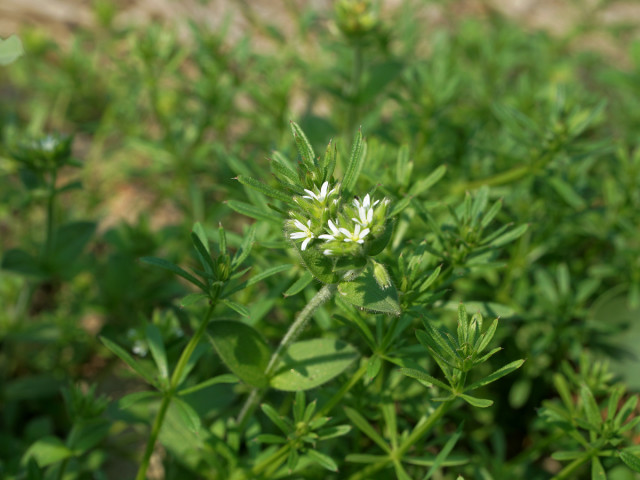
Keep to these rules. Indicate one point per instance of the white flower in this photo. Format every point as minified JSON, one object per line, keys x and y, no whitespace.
{"x":322,"y":196}
{"x":357,"y":235}
{"x":335,"y":232}
{"x":365,"y":211}
{"x":305,"y":232}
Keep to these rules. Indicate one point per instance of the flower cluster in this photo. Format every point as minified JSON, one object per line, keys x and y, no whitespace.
{"x":343,"y":229}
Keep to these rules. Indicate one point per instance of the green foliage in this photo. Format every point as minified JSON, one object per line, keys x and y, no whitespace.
{"x":233,"y":274}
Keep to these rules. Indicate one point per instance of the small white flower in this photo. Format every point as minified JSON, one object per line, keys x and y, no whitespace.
{"x":357,"y":235}
{"x":327,"y":252}
{"x":305,"y":232}
{"x":335,"y":232}
{"x":322,"y":196}
{"x":365,"y":211}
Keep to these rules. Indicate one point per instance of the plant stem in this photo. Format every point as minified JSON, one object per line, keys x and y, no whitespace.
{"x":569,"y":470}
{"x":422,"y":429}
{"x":51,"y":196}
{"x":324,"y":294}
{"x":333,"y":401}
{"x":176,"y":377}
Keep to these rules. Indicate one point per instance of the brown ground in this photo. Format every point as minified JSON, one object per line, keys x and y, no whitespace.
{"x":61,"y":17}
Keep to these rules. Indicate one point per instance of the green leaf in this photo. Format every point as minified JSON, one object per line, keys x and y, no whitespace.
{"x":242,"y":349}
{"x":156,"y":346}
{"x":267,"y":273}
{"x":597,"y":472}
{"x":373,"y":367}
{"x":265,"y":189}
{"x":311,"y":363}
{"x":129,"y":360}
{"x":425,"y":184}
{"x":590,"y":407}
{"x":85,"y":435}
{"x":510,"y":236}
{"x":269,"y":438}
{"x":19,"y":261}
{"x":305,"y":279}
{"x":304,"y":147}
{"x":202,"y":250}
{"x":476,"y":402}
{"x":564,"y":455}
{"x":361,"y":423}
{"x":10,"y":50}
{"x":187,"y":414}
{"x":424,"y":377}
{"x":323,"y":460}
{"x":365,"y":292}
{"x":47,"y":451}
{"x":133,"y":398}
{"x":319,"y":265}
{"x":192,"y":298}
{"x":444,"y":453}
{"x":245,"y":247}
{"x":165,"y":264}
{"x":225,"y":378}
{"x":631,"y":460}
{"x":378,"y":244}
{"x":241,"y":309}
{"x":358,"y":154}
{"x":567,"y":192}
{"x":501,"y":372}
{"x":70,"y":240}
{"x":276,"y":418}
{"x":253,"y":211}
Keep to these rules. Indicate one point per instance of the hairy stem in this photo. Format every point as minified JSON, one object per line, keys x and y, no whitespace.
{"x":176,"y":377}
{"x":324,"y":294}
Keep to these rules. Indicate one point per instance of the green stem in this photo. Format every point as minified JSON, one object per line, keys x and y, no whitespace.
{"x":333,"y":401}
{"x":422,"y":429}
{"x":568,"y":471}
{"x":51,"y":196}
{"x":176,"y":377}
{"x":275,"y":459}
{"x":324,"y":294}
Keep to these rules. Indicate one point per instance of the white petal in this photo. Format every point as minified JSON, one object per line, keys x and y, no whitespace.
{"x":364,"y":233}
{"x":297,"y":235}
{"x":356,"y":231}
{"x":326,"y":236}
{"x":305,"y":243}
{"x":299,"y":225}
{"x":327,"y":252}
{"x":345,"y":232}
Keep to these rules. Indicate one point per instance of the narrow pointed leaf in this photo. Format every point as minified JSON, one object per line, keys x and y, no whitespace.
{"x":510,"y":236}
{"x":253,"y":211}
{"x":323,"y":460}
{"x":476,"y":402}
{"x":597,"y":471}
{"x":224,"y":378}
{"x":424,"y":377}
{"x":156,"y":346}
{"x":241,"y":309}
{"x":444,"y":453}
{"x":358,"y":154}
{"x":129,"y":360}
{"x":187,"y":414}
{"x":305,"y":279}
{"x":361,"y":423}
{"x":631,"y":460}
{"x":162,"y":263}
{"x":304,"y":147}
{"x":277,"y":420}
{"x":264,"y":189}
{"x":425,"y":184}
{"x":590,"y":406}
{"x":501,"y":372}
